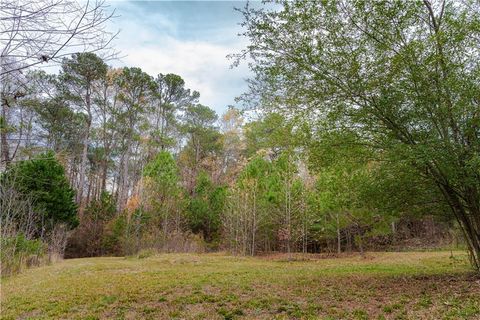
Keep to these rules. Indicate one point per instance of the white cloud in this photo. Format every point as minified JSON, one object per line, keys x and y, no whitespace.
{"x":201,"y":63}
{"x":204,"y":67}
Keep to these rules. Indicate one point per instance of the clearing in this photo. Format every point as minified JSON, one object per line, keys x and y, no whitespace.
{"x":410,"y":285}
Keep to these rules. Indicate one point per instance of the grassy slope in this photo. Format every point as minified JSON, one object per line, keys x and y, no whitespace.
{"x":427,"y":285}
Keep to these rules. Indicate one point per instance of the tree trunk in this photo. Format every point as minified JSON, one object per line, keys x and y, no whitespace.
{"x":339,"y":247}
{"x":254,"y":226}
{"x":468,"y":216}
{"x":103,"y":186}
{"x":83,"y":164}
{"x":123,"y":185}
{"x":4,"y":127}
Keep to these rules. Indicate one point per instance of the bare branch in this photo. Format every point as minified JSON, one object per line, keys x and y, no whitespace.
{"x":37,"y":32}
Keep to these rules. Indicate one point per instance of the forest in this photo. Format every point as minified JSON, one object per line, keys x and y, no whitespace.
{"x":359,"y":133}
{"x":122,"y":161}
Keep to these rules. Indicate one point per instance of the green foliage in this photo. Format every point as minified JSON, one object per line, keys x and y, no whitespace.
{"x":21,"y":245}
{"x":103,"y":209}
{"x":257,"y":168}
{"x":136,"y":85}
{"x":344,"y":201}
{"x":114,"y":235}
{"x":198,"y":116}
{"x":169,"y":96}
{"x":270,"y":133}
{"x":203,"y":137}
{"x":82,"y":69}
{"x":162,"y":191}
{"x":171,"y":91}
{"x":43,"y":179}
{"x":77,"y":79}
{"x":61,"y":123}
{"x":401,"y":75}
{"x":259,"y":177}
{"x":163,"y":171}
{"x":205,"y":208}
{"x":18,"y":252}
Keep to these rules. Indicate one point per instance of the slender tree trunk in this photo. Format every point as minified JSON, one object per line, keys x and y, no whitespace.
{"x":3,"y":133}
{"x":28,"y":141}
{"x":246,"y":221}
{"x":254,"y":225}
{"x":89,"y":189}
{"x":304,"y":226}
{"x":103,"y":186}
{"x":83,"y":165}
{"x":339,"y":246}
{"x":162,"y":131}
{"x":104,"y":176}
{"x":360,"y":242}
{"x":467,"y":216}
{"x":115,"y":188}
{"x":123,"y":184}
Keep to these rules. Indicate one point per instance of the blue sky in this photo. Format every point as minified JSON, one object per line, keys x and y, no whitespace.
{"x":189,"y":38}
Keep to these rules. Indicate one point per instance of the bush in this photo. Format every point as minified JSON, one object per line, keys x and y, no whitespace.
{"x":18,"y":252}
{"x":36,"y":211}
{"x":87,"y":239}
{"x":43,"y":180}
{"x":113,"y":240}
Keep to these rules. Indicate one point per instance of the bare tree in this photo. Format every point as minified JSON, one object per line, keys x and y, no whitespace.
{"x":37,"y":32}
{"x":41,"y":31}
{"x":16,"y":212}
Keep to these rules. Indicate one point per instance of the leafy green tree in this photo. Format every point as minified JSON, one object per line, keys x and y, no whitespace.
{"x":205,"y":208}
{"x":164,"y":172}
{"x":43,"y":179}
{"x":62,"y":125}
{"x":272,"y":133}
{"x":286,"y":170}
{"x":162,"y":192}
{"x":253,"y":201}
{"x":342,"y":206}
{"x":402,"y":74}
{"x":102,"y":209}
{"x":204,"y":140}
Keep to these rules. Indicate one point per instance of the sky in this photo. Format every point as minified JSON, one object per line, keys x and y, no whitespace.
{"x":188,"y":38}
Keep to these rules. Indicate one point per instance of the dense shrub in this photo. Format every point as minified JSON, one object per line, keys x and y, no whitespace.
{"x":87,"y":240}
{"x":36,"y":211}
{"x":18,"y":252}
{"x":43,"y":180}
{"x":114,"y":234}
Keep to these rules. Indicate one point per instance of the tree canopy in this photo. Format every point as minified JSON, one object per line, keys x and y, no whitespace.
{"x":401,"y":74}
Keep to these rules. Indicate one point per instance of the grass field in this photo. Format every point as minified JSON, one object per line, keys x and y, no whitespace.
{"x":428,"y":285}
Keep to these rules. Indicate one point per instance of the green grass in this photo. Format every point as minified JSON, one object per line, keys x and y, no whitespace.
{"x":409,"y":285}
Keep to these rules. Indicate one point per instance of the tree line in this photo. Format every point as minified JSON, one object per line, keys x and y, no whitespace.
{"x":150,"y":167}
{"x":402,"y":76}
{"x":343,"y":156}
